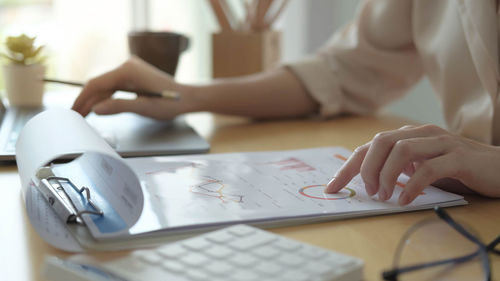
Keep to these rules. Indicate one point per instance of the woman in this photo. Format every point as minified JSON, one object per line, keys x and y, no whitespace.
{"x":389,"y":46}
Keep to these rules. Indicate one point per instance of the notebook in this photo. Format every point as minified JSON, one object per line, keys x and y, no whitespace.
{"x":129,"y":134}
{"x":100,"y":201}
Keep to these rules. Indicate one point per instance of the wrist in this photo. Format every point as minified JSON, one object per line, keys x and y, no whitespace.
{"x":190,"y":100}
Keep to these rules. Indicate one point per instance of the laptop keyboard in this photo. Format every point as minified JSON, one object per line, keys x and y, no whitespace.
{"x":21,"y":117}
{"x":24,"y":115}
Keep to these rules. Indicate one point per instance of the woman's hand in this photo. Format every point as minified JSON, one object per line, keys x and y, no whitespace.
{"x":134,"y":74}
{"x":427,"y":154}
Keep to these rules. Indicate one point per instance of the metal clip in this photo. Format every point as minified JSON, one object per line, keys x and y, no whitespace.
{"x":55,"y":193}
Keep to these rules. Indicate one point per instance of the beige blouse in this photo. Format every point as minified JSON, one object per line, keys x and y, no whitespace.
{"x":392,"y":43}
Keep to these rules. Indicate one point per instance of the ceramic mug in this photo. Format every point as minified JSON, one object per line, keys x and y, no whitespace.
{"x":161,"y":49}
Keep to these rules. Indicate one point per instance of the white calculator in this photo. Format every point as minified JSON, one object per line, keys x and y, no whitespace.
{"x":236,"y":253}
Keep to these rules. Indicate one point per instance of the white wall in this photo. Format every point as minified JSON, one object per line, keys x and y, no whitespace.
{"x":307,"y":25}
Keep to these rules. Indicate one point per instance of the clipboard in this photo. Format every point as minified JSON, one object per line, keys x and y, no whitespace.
{"x":86,"y":207}
{"x":72,"y":212}
{"x":99,"y":201}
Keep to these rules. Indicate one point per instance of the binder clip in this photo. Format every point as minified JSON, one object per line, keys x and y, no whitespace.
{"x":57,"y":197}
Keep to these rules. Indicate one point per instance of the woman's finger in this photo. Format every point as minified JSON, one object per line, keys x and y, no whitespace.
{"x":349,"y":170}
{"x":406,"y":152}
{"x":380,"y":148}
{"x":428,"y":172}
{"x":97,"y":89}
{"x":150,"y":107}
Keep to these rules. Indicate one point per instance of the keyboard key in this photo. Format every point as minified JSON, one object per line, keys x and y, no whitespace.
{"x":266,"y":252}
{"x":195,"y":259}
{"x":172,"y":251}
{"x":149,"y":257}
{"x":219,"y":268}
{"x":243,"y":260}
{"x":252,"y":242}
{"x":291,"y":260}
{"x":173,"y":266}
{"x":287,"y":245}
{"x":338,"y":260}
{"x":241,"y":230}
{"x":268,"y":268}
{"x":135,"y":264}
{"x":245,"y":275}
{"x":219,"y":252}
{"x":196,"y":275}
{"x":318,"y":268}
{"x":295,"y":276}
{"x":313,"y":252}
{"x":197,"y":244}
{"x":220,"y":237}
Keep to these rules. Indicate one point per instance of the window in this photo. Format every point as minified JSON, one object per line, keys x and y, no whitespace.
{"x":81,"y":38}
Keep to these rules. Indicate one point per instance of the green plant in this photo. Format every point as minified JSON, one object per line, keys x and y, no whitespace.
{"x":22,"y":50}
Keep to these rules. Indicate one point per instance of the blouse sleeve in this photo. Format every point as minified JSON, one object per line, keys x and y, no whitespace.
{"x":367,"y":64}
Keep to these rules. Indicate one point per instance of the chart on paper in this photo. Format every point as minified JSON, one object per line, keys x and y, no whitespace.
{"x":248,"y":184}
{"x":270,"y":181}
{"x":198,"y":189}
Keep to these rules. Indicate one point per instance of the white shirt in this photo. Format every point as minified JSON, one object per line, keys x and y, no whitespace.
{"x":391,"y":44}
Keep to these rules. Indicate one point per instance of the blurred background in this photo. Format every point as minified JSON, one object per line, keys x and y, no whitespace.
{"x":86,"y":38}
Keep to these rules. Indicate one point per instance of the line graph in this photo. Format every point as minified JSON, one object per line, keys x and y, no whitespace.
{"x":212,"y":187}
{"x":196,"y":183}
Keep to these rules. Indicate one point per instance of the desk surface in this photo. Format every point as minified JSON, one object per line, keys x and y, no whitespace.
{"x":373,"y":239}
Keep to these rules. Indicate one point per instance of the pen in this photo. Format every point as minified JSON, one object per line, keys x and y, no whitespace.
{"x":163,"y":94}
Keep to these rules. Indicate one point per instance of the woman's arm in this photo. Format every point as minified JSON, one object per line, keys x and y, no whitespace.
{"x":276,"y":93}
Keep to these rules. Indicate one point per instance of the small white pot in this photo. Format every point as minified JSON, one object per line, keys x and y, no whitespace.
{"x":24,"y":84}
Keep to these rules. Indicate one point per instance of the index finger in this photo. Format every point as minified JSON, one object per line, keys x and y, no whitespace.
{"x":96,"y":90}
{"x":349,"y":170}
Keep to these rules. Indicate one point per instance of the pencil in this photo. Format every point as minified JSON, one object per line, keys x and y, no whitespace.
{"x":163,"y":94}
{"x":221,"y":16}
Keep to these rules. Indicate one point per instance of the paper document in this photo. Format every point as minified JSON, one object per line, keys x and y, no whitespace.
{"x":182,"y":192}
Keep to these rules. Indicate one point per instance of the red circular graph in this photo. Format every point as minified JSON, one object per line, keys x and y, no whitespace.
{"x":303,"y":192}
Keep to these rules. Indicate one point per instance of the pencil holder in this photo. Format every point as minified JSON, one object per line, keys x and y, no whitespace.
{"x":237,"y":53}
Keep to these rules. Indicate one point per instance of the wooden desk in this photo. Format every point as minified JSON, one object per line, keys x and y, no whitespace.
{"x":373,"y":239}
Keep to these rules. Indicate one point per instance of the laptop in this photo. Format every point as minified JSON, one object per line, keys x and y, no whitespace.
{"x":129,"y":134}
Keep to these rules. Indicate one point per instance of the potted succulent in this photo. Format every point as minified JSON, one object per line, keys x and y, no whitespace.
{"x":24,"y":72}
